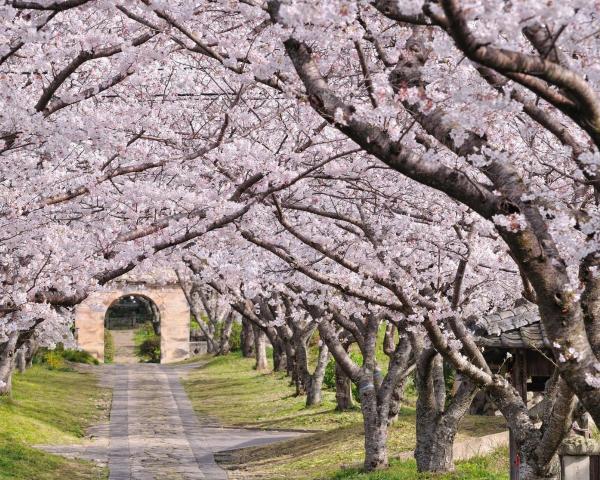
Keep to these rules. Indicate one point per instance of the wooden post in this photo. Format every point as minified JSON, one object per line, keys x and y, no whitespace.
{"x":595,"y":467}
{"x":518,"y":377}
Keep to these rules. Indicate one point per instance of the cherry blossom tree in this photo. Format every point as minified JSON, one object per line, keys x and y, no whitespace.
{"x":415,"y":162}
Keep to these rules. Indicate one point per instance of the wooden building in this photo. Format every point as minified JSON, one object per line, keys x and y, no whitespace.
{"x":514,"y":342}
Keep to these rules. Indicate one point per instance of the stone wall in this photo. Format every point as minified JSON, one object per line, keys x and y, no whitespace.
{"x":174,"y":320}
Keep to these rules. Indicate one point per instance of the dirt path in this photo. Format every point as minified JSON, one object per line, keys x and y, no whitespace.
{"x":124,"y":347}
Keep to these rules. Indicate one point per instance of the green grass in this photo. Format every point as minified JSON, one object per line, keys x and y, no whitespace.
{"x":109,"y":347}
{"x":261,"y":400}
{"x":490,"y":467}
{"x":48,"y":407}
{"x":143,"y":333}
{"x":228,"y":389}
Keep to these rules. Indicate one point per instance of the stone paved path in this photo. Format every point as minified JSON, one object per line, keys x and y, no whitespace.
{"x":154,"y":433}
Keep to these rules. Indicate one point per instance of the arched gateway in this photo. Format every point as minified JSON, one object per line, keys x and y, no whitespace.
{"x":168,"y":298}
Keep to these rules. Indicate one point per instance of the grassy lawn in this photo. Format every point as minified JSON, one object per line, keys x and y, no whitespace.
{"x":490,"y":467}
{"x":49,"y":407}
{"x":228,"y":389}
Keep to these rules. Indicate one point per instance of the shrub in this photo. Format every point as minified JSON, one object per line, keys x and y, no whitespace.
{"x":147,"y":344}
{"x":329,"y":377}
{"x":149,"y":349}
{"x":109,"y":347}
{"x":144,"y":332}
{"x":194,"y":325}
{"x":54,"y":360}
{"x":79,"y":356}
{"x":235,"y":340}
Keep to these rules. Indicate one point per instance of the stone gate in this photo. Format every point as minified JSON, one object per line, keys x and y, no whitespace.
{"x":168,"y":297}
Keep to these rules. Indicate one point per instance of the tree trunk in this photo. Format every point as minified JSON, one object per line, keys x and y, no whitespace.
{"x":279,"y":360}
{"x":7,"y":362}
{"x":21,"y":360}
{"x":396,"y":400}
{"x":260,"y":349}
{"x":247,"y":339}
{"x":155,"y":318}
{"x":433,"y":452}
{"x":375,"y":429}
{"x":211,"y":346}
{"x":315,"y":381}
{"x":290,"y":359}
{"x":436,"y":423}
{"x":224,"y":346}
{"x":279,"y":357}
{"x":301,"y":363}
{"x":439,"y":382}
{"x":527,"y":472}
{"x":343,"y":390}
{"x":293,"y":370}
{"x":313,"y":393}
{"x":32,"y":349}
{"x":482,"y":405}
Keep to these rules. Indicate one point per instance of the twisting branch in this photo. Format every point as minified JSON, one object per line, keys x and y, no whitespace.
{"x":54,"y":6}
{"x":527,"y":70}
{"x":81,"y":58}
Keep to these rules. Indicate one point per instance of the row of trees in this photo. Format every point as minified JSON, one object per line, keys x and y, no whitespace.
{"x":337,"y":166}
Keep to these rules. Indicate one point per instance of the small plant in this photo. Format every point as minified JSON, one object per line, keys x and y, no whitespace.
{"x":149,"y":349}
{"x":147,"y":344}
{"x":54,"y":360}
{"x":79,"y":356}
{"x":109,"y":347}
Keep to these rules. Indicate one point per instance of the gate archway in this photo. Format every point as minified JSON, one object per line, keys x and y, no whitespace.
{"x":131,"y":311}
{"x":171,"y":307}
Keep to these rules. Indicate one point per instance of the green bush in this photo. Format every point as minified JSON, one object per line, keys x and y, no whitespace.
{"x":329,"y":377}
{"x":410,"y":389}
{"x":147,"y":344}
{"x":144,"y":332}
{"x":109,"y":347}
{"x":235,"y":340}
{"x":194,"y":325}
{"x":55,"y":359}
{"x":79,"y":356}
{"x":149,"y":349}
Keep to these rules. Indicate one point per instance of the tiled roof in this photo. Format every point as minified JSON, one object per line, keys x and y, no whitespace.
{"x":516,"y":328}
